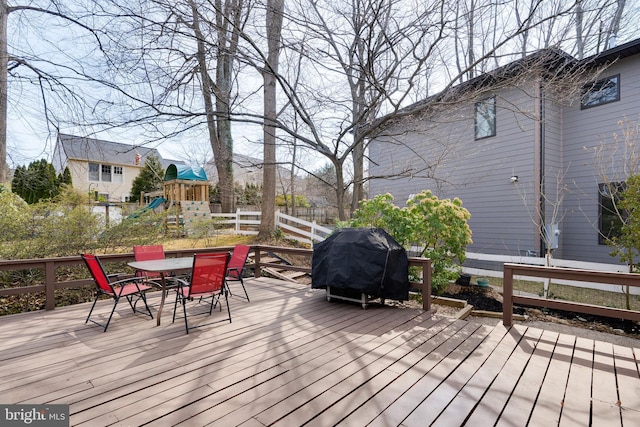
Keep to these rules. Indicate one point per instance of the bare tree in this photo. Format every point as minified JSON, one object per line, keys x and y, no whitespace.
{"x":218,"y":124}
{"x":46,"y":73}
{"x":274,"y":18}
{"x":364,"y":58}
{"x":179,"y":60}
{"x":3,"y":91}
{"x":548,"y":212}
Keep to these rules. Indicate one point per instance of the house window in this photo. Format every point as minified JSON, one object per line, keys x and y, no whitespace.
{"x":94,"y":172}
{"x":609,"y":217}
{"x":106,"y":173}
{"x":601,"y":92}
{"x":486,"y":118}
{"x":118,"y":174}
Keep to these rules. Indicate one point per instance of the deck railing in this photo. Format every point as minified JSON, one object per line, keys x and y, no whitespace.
{"x":51,"y":283}
{"x":607,"y":277}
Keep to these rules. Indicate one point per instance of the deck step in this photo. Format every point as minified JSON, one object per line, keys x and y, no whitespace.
{"x":282,"y":274}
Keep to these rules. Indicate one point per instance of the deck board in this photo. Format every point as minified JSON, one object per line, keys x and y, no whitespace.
{"x":454,"y":383}
{"x":463,"y":404}
{"x":550,"y":399}
{"x":576,"y":405}
{"x":493,"y":402}
{"x":521,"y":402}
{"x":291,"y":358}
{"x":628,"y":384}
{"x":605,"y":403}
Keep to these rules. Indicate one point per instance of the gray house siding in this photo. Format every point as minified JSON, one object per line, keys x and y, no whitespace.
{"x":552,"y":169}
{"x":584,"y":132}
{"x":550,"y":146}
{"x":476,"y":171}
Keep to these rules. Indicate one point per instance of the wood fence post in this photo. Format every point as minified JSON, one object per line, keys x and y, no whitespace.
{"x":426,"y":285}
{"x":50,"y":285}
{"x":507,"y":296}
{"x":256,"y":259}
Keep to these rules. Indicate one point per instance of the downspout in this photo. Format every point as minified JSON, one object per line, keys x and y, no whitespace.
{"x":542,"y":167}
{"x":538,"y":171}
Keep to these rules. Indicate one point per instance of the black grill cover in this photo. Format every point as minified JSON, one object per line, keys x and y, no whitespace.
{"x":367,"y":260}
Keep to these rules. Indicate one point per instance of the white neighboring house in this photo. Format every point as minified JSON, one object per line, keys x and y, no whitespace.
{"x":103,"y":166}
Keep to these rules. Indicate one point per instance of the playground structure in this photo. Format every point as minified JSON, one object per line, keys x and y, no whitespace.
{"x":155,"y":203}
{"x":186,"y":193}
{"x":182,"y":183}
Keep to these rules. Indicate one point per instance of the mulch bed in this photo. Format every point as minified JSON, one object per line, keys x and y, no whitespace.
{"x":481,"y":298}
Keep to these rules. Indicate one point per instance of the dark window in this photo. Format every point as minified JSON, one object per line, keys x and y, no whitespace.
{"x":94,"y":172}
{"x":486,"y":118}
{"x":106,"y":173}
{"x":610,"y":221}
{"x":601,"y":92}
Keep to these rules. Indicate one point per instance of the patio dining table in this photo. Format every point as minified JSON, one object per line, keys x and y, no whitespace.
{"x":164,"y":267}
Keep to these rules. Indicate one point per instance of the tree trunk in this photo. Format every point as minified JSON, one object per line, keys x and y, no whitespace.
{"x":274,"y":29}
{"x":340,"y":192}
{"x":358,"y":173}
{"x":579,"y":26}
{"x":292,"y":178}
{"x":3,"y":91}
{"x":614,"y":28}
{"x":219,"y":130}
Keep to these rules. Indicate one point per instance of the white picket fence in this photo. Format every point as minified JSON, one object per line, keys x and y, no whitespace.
{"x":247,"y":222}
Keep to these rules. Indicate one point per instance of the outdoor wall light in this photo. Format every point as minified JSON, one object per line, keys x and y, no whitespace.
{"x":514,"y":179}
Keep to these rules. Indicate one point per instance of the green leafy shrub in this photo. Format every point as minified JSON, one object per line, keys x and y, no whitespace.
{"x":203,"y":232}
{"x":432,"y":227}
{"x":626,"y":245}
{"x":143,"y":230}
{"x":301,"y":201}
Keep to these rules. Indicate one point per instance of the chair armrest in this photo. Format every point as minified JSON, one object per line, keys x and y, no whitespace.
{"x":120,"y":284}
{"x":235,"y":269}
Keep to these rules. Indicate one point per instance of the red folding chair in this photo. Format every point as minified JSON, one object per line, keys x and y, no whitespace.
{"x":128,"y":288}
{"x":236,"y":267}
{"x":151,"y":252}
{"x":207,"y":280}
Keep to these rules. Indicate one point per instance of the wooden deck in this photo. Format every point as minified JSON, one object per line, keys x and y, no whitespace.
{"x":291,"y":358}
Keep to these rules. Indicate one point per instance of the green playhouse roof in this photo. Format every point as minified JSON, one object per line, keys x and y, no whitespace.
{"x":184,"y":172}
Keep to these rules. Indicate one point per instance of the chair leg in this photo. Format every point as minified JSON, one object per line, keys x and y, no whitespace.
{"x":213,"y":303}
{"x":115,"y":304}
{"x":184,"y":309}
{"x":244,"y":289}
{"x":92,"y":307}
{"x":226,"y":300}
{"x":133,"y":304}
{"x":175,"y":306}
{"x":105,"y":326}
{"x":228,"y":288}
{"x":144,"y":299}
